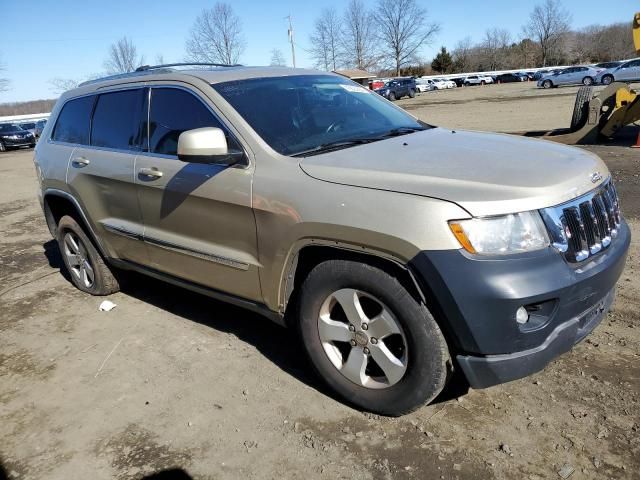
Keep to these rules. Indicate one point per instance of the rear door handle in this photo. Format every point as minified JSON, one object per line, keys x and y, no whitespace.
{"x":150,"y":172}
{"x":80,"y":162}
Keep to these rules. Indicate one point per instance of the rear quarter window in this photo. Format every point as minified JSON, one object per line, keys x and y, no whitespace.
{"x":117,"y":120}
{"x":73,"y":122}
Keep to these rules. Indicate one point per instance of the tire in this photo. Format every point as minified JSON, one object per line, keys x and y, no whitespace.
{"x":75,"y":245}
{"x":2,"y":147}
{"x":392,"y":96}
{"x":547,"y":84}
{"x":33,"y":145}
{"x":482,"y":82}
{"x":581,"y":107}
{"x":607,"y":79}
{"x":587,"y":81}
{"x":418,"y":372}
{"x":412,"y":93}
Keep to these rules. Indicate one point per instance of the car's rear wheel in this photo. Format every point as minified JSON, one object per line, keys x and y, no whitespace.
{"x":607,"y":80}
{"x":587,"y":81}
{"x":482,"y":82}
{"x":412,"y":93}
{"x":369,"y":339}
{"x":547,"y":84}
{"x":86,"y":267}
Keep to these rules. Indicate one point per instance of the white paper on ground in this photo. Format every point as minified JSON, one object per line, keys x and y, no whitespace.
{"x":107,"y":306}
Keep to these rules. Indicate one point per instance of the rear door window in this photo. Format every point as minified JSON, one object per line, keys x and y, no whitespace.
{"x":74,"y":121}
{"x":174,"y":111}
{"x":117,"y":120}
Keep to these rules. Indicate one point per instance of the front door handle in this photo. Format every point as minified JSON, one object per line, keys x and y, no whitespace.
{"x":150,"y":172}
{"x":80,"y":162}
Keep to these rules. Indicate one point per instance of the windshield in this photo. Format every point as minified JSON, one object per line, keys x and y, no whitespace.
{"x":7,"y":127}
{"x":295,"y":114}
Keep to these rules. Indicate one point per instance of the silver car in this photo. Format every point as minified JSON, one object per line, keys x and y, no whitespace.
{"x":570,"y":76}
{"x":628,"y":71}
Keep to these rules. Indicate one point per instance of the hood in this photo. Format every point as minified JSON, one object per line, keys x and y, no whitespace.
{"x":484,"y":173}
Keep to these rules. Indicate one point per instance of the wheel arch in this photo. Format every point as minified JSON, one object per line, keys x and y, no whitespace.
{"x":312,"y":253}
{"x":58,"y":203}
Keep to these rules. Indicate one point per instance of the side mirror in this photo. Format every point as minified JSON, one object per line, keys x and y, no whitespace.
{"x":206,"y":145}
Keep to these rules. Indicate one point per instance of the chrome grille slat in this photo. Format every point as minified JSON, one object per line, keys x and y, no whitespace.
{"x":585,"y":226}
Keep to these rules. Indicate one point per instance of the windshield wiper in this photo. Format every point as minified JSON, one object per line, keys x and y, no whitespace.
{"x":337,"y":145}
{"x":340,"y":144}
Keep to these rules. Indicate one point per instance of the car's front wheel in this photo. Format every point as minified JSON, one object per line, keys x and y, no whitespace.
{"x":86,"y":267}
{"x":607,"y":80}
{"x":392,"y":96}
{"x":587,"y":81}
{"x":369,"y":339}
{"x":547,"y":84}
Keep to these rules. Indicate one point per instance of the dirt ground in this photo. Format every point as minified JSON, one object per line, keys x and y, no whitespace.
{"x":172,"y":381}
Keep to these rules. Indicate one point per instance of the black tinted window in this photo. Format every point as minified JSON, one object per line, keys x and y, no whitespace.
{"x":73,"y":122}
{"x":174,"y":111}
{"x":116,"y":120}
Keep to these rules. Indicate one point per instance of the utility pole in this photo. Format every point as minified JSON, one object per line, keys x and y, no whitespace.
{"x":293,"y":48}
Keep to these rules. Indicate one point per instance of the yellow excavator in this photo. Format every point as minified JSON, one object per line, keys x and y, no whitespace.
{"x":602,"y":114}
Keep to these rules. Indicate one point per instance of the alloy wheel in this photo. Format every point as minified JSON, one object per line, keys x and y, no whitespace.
{"x":362,"y":339}
{"x":78,"y":260}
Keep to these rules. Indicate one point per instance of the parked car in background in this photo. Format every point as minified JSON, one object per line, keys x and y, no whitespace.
{"x":439,"y":83}
{"x":398,"y":88}
{"x":570,"y":76}
{"x":539,"y":74}
{"x":13,"y":136}
{"x":606,"y":65}
{"x":459,"y":81}
{"x":477,"y":80}
{"x":40,"y":124}
{"x":628,"y":71}
{"x":508,"y":78}
{"x":28,"y":126}
{"x":424,"y":85}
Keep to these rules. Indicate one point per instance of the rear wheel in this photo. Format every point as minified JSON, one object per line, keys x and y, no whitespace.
{"x":547,"y":84}
{"x":607,"y":80}
{"x":587,"y":81}
{"x":369,"y":339}
{"x":412,"y":93}
{"x":86,"y":266}
{"x":581,"y":107}
{"x":482,"y":82}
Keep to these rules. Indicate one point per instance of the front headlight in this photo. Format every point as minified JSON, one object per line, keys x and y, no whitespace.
{"x":513,"y":233}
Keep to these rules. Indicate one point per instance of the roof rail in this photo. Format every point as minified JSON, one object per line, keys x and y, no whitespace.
{"x":144,"y":68}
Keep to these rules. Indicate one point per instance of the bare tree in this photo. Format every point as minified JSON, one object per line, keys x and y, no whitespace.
{"x":494,"y":48}
{"x":549,"y":23}
{"x":61,"y":85}
{"x":277,"y":58}
{"x":359,"y":36}
{"x":325,"y":40}
{"x":216,"y":36}
{"x":462,"y":55}
{"x":403,"y":29}
{"x":123,"y":57}
{"x":4,"y":82}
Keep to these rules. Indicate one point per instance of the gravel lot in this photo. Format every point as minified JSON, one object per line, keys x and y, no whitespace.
{"x":173,"y":380}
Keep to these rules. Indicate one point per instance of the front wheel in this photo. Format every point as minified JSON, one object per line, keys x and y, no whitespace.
{"x":547,"y":84}
{"x":607,"y":80}
{"x":369,"y":339}
{"x":392,"y":96}
{"x":2,"y":147}
{"x":587,"y":81}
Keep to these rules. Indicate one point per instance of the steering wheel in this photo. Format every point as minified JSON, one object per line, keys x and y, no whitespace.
{"x":335,"y":126}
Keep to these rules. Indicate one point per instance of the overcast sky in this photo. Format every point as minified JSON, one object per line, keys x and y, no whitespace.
{"x":41,"y":40}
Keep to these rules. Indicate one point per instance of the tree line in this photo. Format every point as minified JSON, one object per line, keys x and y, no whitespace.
{"x":387,"y":39}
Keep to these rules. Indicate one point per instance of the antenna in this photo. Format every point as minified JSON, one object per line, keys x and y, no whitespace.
{"x":293,"y":49}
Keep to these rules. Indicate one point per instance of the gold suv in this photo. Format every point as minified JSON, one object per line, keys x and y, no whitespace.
{"x":401,"y":252}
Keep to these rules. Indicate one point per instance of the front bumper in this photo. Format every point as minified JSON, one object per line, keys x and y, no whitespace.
{"x":476,"y":299}
{"x":20,"y":142}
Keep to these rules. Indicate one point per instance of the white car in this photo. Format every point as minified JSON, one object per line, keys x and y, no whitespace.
{"x":424,"y":85}
{"x":478,"y":80}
